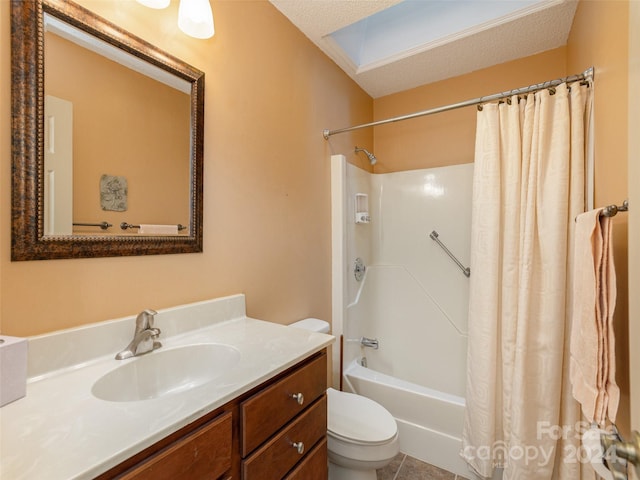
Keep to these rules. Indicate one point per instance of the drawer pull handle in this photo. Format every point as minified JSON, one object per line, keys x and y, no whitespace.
{"x":298,"y":397}
{"x":299,"y":446}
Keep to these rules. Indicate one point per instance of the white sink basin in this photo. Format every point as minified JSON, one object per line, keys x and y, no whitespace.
{"x":166,"y":372}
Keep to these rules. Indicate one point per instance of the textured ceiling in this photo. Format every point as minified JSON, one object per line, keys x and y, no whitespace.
{"x":533,"y":30}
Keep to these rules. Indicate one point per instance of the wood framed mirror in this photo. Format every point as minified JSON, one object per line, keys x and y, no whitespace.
{"x":33,"y":236}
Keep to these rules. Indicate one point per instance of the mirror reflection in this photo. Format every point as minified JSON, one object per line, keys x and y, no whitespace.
{"x":117,"y":139}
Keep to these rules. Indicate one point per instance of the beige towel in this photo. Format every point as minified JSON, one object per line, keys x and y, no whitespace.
{"x":592,"y":364}
{"x":609,"y":291}
{"x":158,"y":229}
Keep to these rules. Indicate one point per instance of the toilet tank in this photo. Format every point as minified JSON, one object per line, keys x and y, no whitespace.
{"x":313,"y":324}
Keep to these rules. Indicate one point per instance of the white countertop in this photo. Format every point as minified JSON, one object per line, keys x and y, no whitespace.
{"x":61,"y":431}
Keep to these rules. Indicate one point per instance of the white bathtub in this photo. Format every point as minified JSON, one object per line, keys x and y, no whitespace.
{"x":429,"y":421}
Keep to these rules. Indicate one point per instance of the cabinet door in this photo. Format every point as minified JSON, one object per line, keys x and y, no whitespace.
{"x":202,"y":454}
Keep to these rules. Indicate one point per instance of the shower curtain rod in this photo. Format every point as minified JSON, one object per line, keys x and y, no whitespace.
{"x":587,"y":74}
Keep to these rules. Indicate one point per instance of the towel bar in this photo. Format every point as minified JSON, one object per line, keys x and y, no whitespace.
{"x":125,"y":225}
{"x":615,"y":447}
{"x":612,"y":210}
{"x":102,"y":225}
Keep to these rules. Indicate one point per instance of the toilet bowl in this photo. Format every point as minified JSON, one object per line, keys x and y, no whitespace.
{"x":362,"y":435}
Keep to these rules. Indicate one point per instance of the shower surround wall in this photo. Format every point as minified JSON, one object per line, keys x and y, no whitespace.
{"x":413,"y":299}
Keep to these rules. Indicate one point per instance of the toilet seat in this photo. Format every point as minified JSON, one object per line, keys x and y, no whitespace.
{"x":359,"y":420}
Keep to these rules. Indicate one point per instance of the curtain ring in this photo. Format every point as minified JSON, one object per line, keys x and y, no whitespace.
{"x":480,"y":107}
{"x":552,"y":91}
{"x":509,"y":101}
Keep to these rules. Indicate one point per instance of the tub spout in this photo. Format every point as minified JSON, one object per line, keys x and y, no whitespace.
{"x":369,"y":342}
{"x":365,"y":342}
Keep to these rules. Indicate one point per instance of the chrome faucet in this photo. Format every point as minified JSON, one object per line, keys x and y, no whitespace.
{"x":144,"y":338}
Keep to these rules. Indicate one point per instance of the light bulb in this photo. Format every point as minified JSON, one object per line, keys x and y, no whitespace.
{"x":157,"y":4}
{"x":195,"y":18}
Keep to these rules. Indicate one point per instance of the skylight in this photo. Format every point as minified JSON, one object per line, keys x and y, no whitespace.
{"x":417,"y":25}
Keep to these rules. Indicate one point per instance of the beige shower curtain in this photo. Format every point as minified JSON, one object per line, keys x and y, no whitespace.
{"x":528,"y":188}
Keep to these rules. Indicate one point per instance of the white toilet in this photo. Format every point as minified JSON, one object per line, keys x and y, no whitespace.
{"x":362,"y":435}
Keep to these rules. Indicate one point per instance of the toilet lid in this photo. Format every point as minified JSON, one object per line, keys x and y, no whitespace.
{"x":359,"y":419}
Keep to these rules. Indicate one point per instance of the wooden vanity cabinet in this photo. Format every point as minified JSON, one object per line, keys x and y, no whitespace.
{"x":281,"y":423}
{"x":250,"y":438}
{"x":314,"y":466}
{"x":200,"y":450}
{"x":202,"y":454}
{"x":289,"y":446}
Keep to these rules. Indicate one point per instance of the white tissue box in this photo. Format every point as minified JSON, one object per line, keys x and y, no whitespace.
{"x":13,"y":369}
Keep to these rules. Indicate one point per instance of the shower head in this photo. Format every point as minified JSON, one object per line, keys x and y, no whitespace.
{"x":372,"y":157}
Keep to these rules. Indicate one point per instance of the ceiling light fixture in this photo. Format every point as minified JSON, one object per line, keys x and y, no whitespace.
{"x":157,"y":4}
{"x":195,"y":17}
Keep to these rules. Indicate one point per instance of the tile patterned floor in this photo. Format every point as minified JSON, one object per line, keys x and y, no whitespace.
{"x":404,"y":467}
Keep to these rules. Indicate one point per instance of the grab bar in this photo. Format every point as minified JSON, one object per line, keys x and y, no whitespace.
{"x":465,"y":270}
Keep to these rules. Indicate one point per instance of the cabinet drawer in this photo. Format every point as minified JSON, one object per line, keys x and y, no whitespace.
{"x":266,"y":412}
{"x":315,"y":466}
{"x":276,"y":457}
{"x":202,"y":454}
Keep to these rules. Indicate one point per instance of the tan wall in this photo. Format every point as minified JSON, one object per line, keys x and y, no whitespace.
{"x":269,"y":95}
{"x":599,"y":37}
{"x":634,"y":213}
{"x":448,"y":138}
{"x":124,"y":124}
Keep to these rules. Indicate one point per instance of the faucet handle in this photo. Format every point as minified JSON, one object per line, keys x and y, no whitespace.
{"x":144,"y":320}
